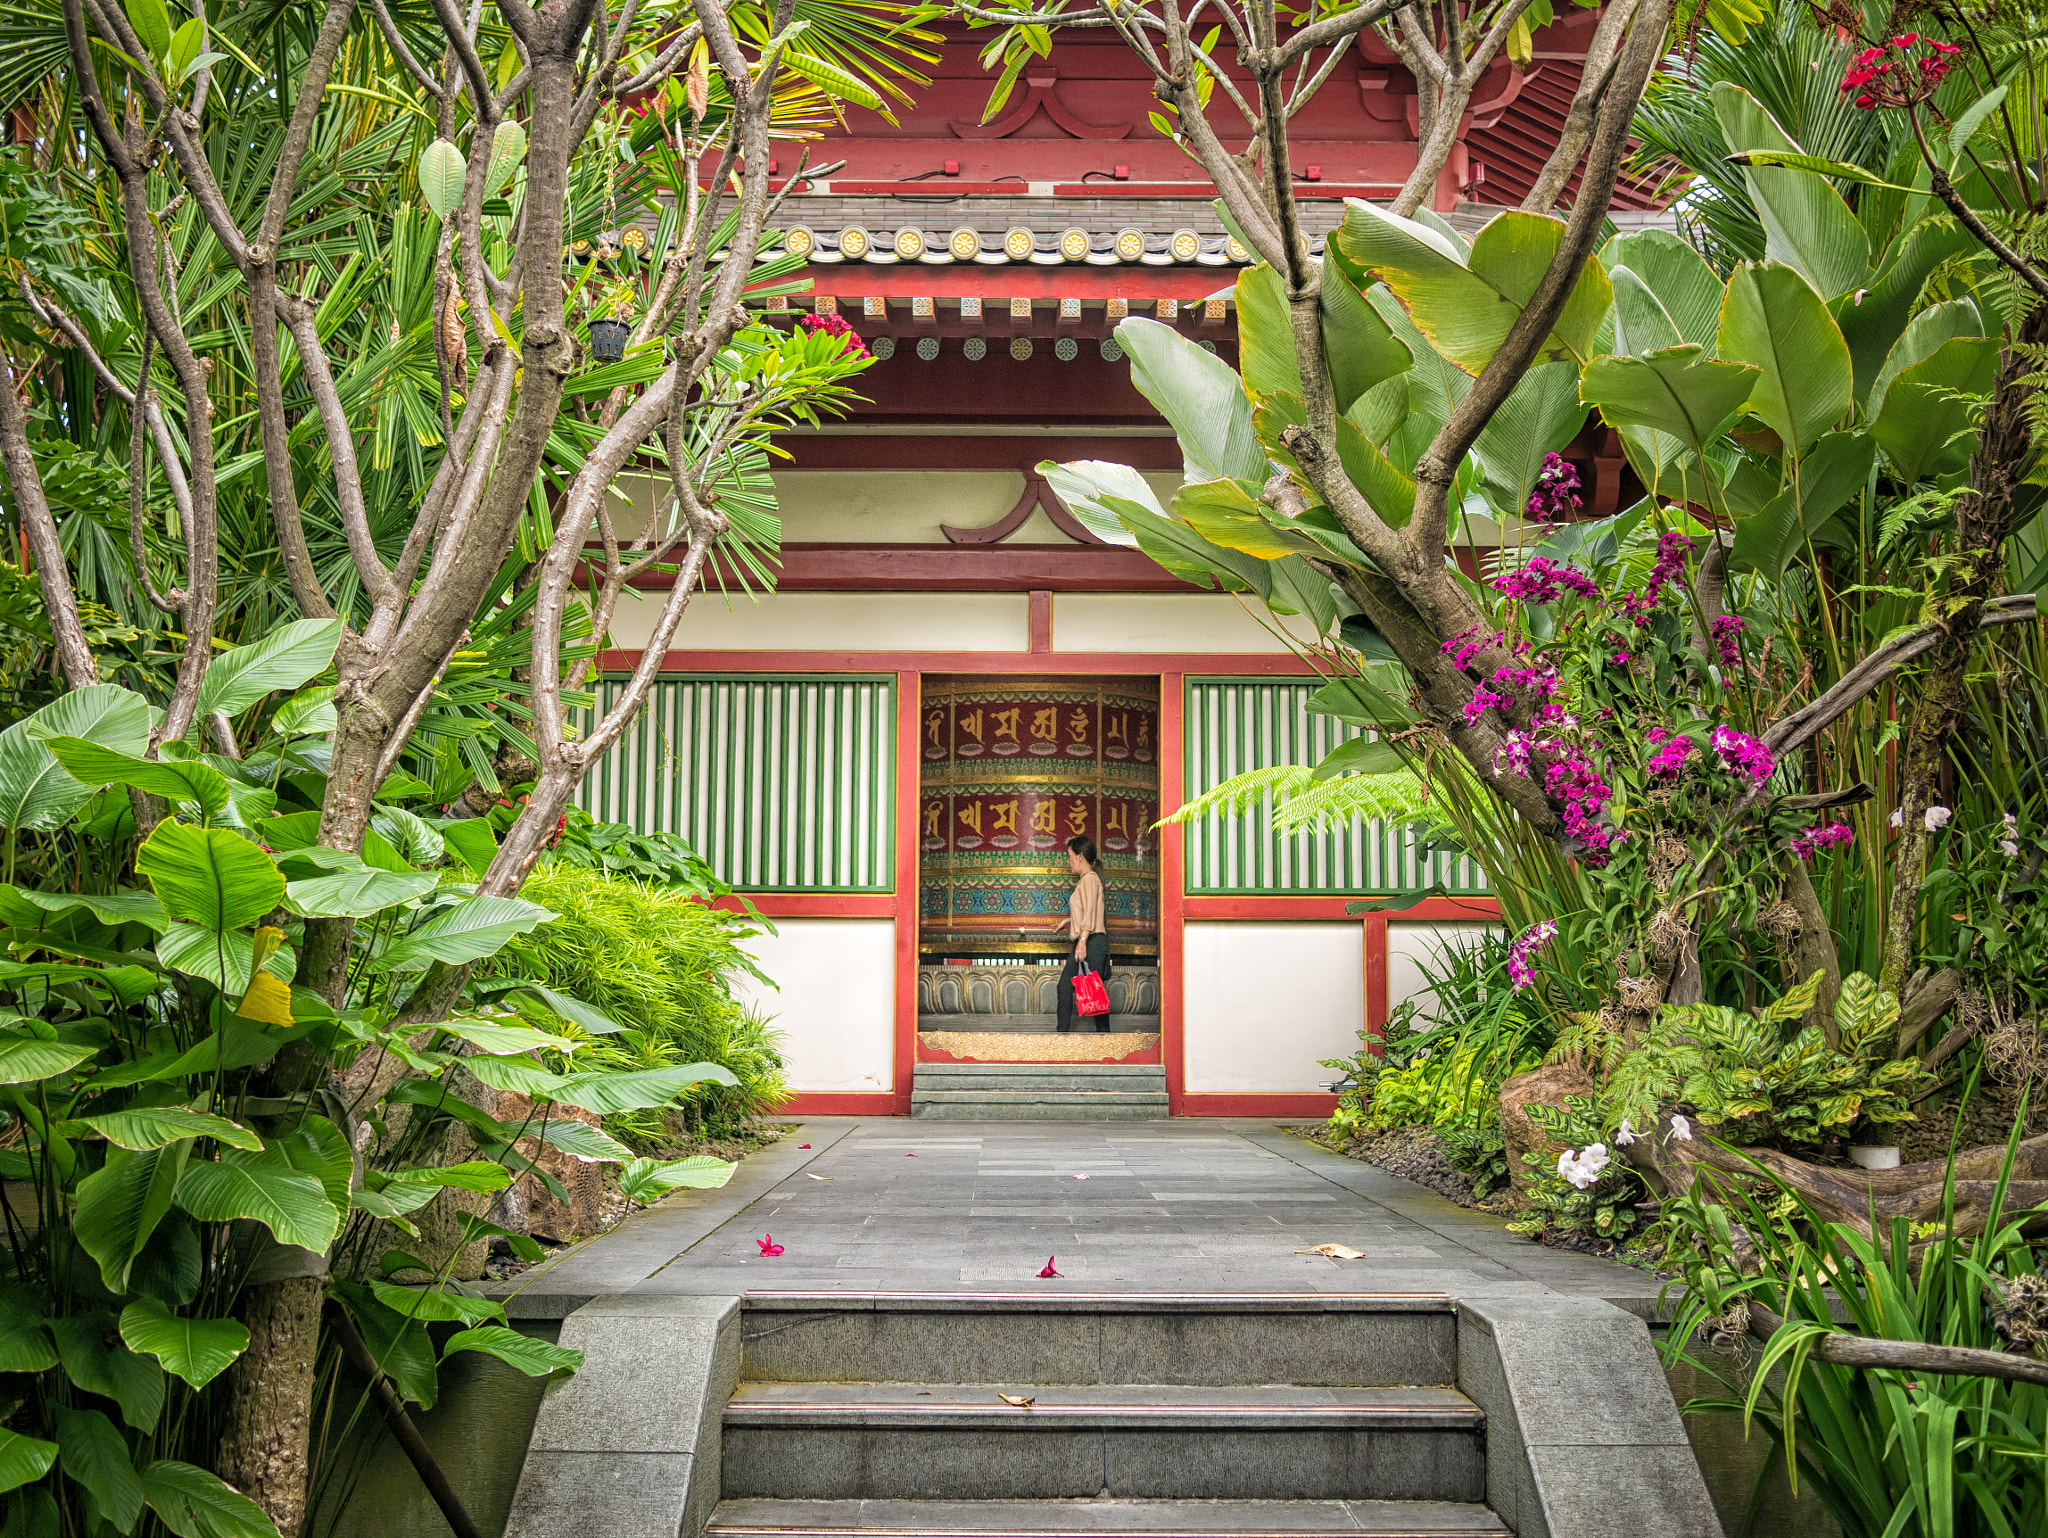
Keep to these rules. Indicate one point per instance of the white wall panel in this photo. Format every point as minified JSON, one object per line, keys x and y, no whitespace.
{"x":867,"y":622}
{"x":835,"y":1003}
{"x":1160,"y":622}
{"x":1265,"y":1003}
{"x":1413,"y":943}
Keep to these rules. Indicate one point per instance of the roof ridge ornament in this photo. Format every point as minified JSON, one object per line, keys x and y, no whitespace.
{"x":1042,"y":92}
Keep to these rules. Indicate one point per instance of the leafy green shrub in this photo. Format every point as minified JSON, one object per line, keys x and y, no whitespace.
{"x":1761,"y":1076}
{"x":1584,"y":1193}
{"x":1479,"y":1152}
{"x":660,"y":962}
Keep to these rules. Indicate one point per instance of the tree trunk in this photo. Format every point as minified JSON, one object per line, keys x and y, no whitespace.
{"x":265,"y":1443}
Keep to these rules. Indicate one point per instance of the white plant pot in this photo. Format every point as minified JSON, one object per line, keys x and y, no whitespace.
{"x":1874,"y":1158}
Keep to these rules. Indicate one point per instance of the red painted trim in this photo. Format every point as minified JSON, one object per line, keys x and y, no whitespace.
{"x":1172,"y":883}
{"x":909,"y":707}
{"x":839,"y":1103}
{"x":815,"y":905}
{"x":1307,"y":908}
{"x":953,"y":451}
{"x":824,"y":568}
{"x":1304,"y":192}
{"x":1080,"y":664}
{"x":1318,"y":1106}
{"x":1041,"y":622}
{"x":1376,"y":983}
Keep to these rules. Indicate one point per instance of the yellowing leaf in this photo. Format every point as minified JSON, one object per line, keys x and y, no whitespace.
{"x":1016,"y":1399}
{"x":268,"y":1000}
{"x":1335,"y":1252}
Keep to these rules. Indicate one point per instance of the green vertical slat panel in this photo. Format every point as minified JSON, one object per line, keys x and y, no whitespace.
{"x":781,"y":783}
{"x":1238,"y":724}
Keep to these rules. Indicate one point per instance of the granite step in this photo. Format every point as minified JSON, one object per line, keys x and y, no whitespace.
{"x":1103,"y":1519}
{"x":1134,"y":1441}
{"x":1038,"y":1091}
{"x":1332,"y":1340}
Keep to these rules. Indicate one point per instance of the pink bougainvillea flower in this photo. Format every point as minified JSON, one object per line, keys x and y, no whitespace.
{"x":910,"y":1156}
{"x":1048,"y":1271}
{"x":768,"y":1245}
{"x":1080,"y":1177}
{"x":803,"y":1145}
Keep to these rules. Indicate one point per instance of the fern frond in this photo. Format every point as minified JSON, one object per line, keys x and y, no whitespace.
{"x":1303,"y":804}
{"x":1243,"y":792}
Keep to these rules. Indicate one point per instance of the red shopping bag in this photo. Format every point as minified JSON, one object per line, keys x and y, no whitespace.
{"x":1090,"y":997}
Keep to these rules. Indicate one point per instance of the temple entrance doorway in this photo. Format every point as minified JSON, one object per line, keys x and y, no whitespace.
{"x":1010,"y":768}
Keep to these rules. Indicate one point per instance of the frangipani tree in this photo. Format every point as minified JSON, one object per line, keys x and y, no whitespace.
{"x":1628,"y":760}
{"x":337,"y":264}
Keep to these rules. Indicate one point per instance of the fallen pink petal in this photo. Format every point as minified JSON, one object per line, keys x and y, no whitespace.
{"x":768,"y":1245}
{"x":1048,"y":1271}
{"x":803,"y":1145}
{"x":1080,"y":1177}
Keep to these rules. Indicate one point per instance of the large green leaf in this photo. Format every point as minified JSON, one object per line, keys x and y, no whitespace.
{"x":1872,"y":320}
{"x":1836,"y":470}
{"x":469,"y":931}
{"x":296,"y":831}
{"x":1927,"y":421}
{"x":471,"y":1175}
{"x":514,"y":1075}
{"x":1200,"y":396}
{"x":1924,"y":334}
{"x":180,"y":780}
{"x":121,"y":1203}
{"x":535,"y":1358}
{"x":23,"y":1459}
{"x":436,"y":1304}
{"x":286,"y":658}
{"x":1642,"y":324}
{"x":318,"y":1148}
{"x":195,"y":1504}
{"x":356,"y":893}
{"x":30,"y":1060}
{"x":1360,"y":348}
{"x":263,"y":1187}
{"x":1465,"y":311}
{"x":1806,"y":223}
{"x":400,"y":1347}
{"x":1678,"y":391}
{"x":1226,"y":513}
{"x":1674,"y":272}
{"x":96,"y":1458}
{"x":104,"y":713}
{"x":564,"y":1006}
{"x":1092,"y":490}
{"x":1388,"y":489}
{"x":1772,"y":318}
{"x":158,"y":1127}
{"x":1541,"y":415}
{"x":223,"y":959}
{"x":609,"y":1093}
{"x":209,"y":876}
{"x":87,"y":1348}
{"x":114,"y":908}
{"x":580,"y":1139}
{"x":197,"y":1350}
{"x":35,"y":792}
{"x":645,"y":1179}
{"x":25,"y":1345}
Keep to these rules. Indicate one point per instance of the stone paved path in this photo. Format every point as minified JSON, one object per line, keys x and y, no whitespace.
{"x":1167,"y":1206}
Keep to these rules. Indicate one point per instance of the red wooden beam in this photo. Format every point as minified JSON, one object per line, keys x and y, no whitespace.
{"x":953,"y":451}
{"x":962,"y":569}
{"x":1054,"y":664}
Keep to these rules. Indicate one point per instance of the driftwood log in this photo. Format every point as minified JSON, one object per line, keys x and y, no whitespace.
{"x":1907,"y":1355}
{"x":1852,"y":1197}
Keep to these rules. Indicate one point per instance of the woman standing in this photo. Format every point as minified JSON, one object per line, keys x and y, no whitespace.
{"x":1084,"y":922}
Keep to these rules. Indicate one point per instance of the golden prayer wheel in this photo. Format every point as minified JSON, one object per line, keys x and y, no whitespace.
{"x":1011,"y":769}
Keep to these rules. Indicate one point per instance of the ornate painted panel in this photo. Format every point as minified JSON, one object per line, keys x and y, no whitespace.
{"x":1011,"y":768}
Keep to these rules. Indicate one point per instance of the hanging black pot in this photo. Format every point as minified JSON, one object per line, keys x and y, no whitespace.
{"x":608,"y":340}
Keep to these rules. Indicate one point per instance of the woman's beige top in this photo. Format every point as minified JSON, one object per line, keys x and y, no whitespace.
{"x":1084,"y":907}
